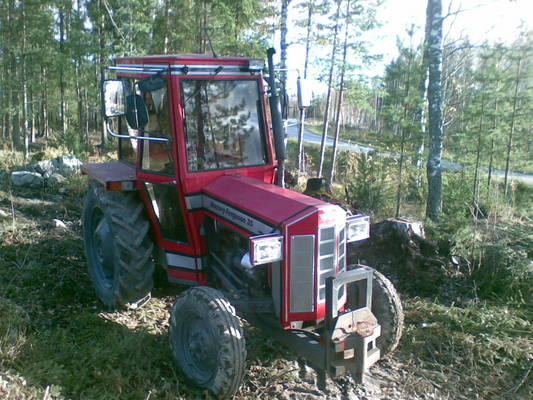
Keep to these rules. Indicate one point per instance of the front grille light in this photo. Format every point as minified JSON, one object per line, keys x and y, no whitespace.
{"x":266,"y":249}
{"x":357,"y":228}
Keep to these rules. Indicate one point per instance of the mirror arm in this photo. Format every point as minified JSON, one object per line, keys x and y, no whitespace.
{"x":153,"y":139}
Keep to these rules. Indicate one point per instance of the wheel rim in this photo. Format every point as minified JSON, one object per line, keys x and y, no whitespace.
{"x":101,"y":249}
{"x":198,"y":347}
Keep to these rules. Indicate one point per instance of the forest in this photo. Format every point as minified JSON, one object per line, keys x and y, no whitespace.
{"x":450,"y":125}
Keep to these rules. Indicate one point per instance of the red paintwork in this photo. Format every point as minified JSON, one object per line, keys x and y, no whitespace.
{"x":270,"y":203}
{"x":192,"y":59}
{"x":248,"y":189}
{"x":198,"y":277}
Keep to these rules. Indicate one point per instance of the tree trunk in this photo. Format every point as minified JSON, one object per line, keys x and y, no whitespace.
{"x":328,"y":96}
{"x":340,"y":97}
{"x":101,"y":50}
{"x":79,"y":100}
{"x":435,"y":128}
{"x":402,"y":136}
{"x":489,"y":178}
{"x":25,"y":80}
{"x":422,"y":95}
{"x":32,"y":115}
{"x":44,"y":103}
{"x":301,"y":152}
{"x":475,"y":188}
{"x":87,"y":113}
{"x":512,"y":128}
{"x":61,"y":71}
{"x":283,"y":41}
{"x":166,"y":31}
{"x":494,"y":123}
{"x":15,"y":105}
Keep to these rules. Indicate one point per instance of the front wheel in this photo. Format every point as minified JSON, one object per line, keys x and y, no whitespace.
{"x":387,"y":308}
{"x":207,"y":341}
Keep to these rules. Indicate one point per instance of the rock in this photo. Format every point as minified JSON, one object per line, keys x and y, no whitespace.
{"x":27,"y":178}
{"x":51,"y":171}
{"x":59,"y":224}
{"x":67,"y":165}
{"x":398,"y":248}
{"x":403,"y":227}
{"x":3,"y":214}
{"x":55,"y":179}
{"x":44,"y":167}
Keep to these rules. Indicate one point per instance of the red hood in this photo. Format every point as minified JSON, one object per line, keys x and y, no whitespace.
{"x":271,"y":203}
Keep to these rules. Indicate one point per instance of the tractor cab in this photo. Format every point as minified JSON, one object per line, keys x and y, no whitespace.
{"x":198,"y":187}
{"x":182,"y":122}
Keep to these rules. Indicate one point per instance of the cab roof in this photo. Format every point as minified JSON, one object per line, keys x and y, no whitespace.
{"x":181,"y":59}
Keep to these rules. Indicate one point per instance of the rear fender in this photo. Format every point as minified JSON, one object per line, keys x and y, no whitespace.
{"x":114,"y":176}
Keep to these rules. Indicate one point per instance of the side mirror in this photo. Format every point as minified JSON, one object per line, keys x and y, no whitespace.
{"x":113,"y":98}
{"x":304,"y":94}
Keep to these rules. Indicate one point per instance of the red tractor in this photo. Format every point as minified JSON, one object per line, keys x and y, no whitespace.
{"x":194,"y":189}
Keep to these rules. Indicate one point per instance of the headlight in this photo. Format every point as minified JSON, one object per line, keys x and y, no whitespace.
{"x":357,"y":228}
{"x":265,"y":249}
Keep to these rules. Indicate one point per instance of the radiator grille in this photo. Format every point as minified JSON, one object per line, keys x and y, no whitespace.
{"x":328,"y":254}
{"x":342,"y":256}
{"x":302,"y":272}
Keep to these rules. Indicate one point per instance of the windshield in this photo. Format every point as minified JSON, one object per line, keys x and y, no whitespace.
{"x":223,"y":124}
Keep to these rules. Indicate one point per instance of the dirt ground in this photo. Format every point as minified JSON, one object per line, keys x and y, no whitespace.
{"x":60,"y":343}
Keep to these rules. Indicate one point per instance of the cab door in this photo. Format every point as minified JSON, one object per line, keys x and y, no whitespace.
{"x":158,"y":177}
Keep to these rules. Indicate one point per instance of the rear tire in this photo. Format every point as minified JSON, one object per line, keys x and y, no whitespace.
{"x":207,"y":341}
{"x":117,"y":246}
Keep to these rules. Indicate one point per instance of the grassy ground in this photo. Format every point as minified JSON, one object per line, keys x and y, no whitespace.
{"x":58,"y":342}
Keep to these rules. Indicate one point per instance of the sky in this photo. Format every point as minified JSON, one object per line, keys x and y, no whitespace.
{"x":480,"y":20}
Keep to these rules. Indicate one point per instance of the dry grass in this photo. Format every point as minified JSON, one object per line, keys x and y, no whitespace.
{"x":58,"y":342}
{"x":479,"y":351}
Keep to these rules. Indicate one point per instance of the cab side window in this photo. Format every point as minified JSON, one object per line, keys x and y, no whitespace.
{"x":157,"y":155}
{"x":127,"y":148}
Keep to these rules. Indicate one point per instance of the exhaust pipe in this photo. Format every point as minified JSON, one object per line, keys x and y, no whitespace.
{"x":277,"y":123}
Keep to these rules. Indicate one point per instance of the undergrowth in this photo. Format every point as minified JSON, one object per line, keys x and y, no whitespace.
{"x":58,"y":342}
{"x":480,"y":351}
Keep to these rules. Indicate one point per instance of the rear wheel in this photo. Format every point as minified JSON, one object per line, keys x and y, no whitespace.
{"x":207,"y":341}
{"x":117,"y":246}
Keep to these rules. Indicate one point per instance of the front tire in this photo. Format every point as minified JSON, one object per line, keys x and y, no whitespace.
{"x":207,"y":341}
{"x":387,"y":308}
{"x":117,"y":246}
